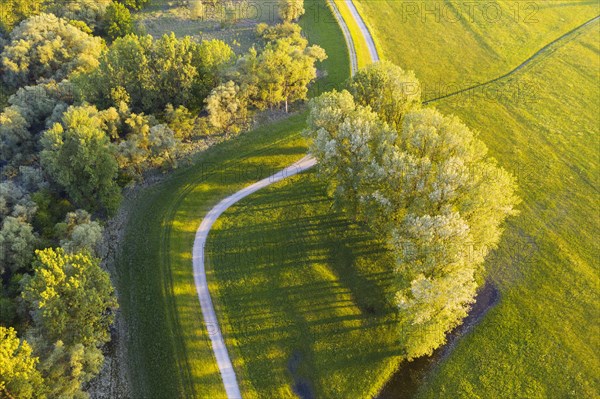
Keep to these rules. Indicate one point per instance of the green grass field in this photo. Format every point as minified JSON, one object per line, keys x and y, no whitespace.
{"x":169,"y":352}
{"x":301,"y":295}
{"x":453,"y":44}
{"x":542,"y":338}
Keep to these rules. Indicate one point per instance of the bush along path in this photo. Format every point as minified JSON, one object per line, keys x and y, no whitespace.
{"x":198,"y":260}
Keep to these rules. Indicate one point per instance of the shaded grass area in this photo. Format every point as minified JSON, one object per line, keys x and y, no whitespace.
{"x":169,"y":351}
{"x":303,"y":295}
{"x":454,"y":44}
{"x":542,"y":339}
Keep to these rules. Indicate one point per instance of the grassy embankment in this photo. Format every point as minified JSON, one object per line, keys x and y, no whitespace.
{"x":301,"y":290}
{"x":453,"y":44}
{"x":542,"y":124}
{"x":360,"y":45}
{"x":170,"y":355}
{"x":542,"y":338}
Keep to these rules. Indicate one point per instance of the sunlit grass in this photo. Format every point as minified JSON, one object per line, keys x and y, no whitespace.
{"x":453,"y":44}
{"x":541,"y":339}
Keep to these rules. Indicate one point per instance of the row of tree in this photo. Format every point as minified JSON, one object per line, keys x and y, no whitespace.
{"x":423,"y":182}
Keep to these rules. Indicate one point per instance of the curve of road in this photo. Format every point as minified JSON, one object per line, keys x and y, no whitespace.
{"x":226,"y":370}
{"x":364,"y":31}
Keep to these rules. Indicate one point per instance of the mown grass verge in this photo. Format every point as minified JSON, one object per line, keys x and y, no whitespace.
{"x":362,"y":50}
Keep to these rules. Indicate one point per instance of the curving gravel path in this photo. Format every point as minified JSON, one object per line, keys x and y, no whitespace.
{"x":208,"y":310}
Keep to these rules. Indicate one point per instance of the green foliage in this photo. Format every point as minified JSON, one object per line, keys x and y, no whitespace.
{"x":17,"y":242}
{"x":37,"y":103}
{"x":163,"y":146}
{"x":15,"y":11}
{"x":117,"y":21}
{"x":286,"y":30}
{"x":282,"y":71}
{"x":78,"y":233}
{"x":213,"y":58}
{"x":180,"y":120}
{"x":70,"y":298}
{"x":388,"y":90}
{"x":134,"y":4}
{"x":148,"y":74}
{"x":16,"y":142}
{"x":19,"y":377}
{"x":51,"y":209}
{"x":89,"y":12}
{"x":291,"y":10}
{"x":78,"y":155}
{"x":145,"y":145}
{"x":426,"y":188}
{"x":46,"y":47}
{"x":67,"y":367}
{"x":227,"y":109}
{"x":31,"y":109}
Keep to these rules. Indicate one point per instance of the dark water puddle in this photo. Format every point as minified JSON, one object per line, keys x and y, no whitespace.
{"x":409,"y":377}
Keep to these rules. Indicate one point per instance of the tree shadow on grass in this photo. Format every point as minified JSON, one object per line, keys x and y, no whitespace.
{"x":297,"y":279}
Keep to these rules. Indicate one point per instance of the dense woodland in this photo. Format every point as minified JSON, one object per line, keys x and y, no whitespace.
{"x":90,"y":104}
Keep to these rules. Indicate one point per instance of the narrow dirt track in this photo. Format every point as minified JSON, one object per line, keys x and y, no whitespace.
{"x":198,"y":260}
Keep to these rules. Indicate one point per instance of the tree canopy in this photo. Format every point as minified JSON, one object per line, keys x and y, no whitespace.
{"x":46,"y":47}
{"x":280,"y":72}
{"x":70,"y":298}
{"x":78,"y":155}
{"x":148,"y":74}
{"x":19,"y":377}
{"x":424,"y":183}
{"x":291,"y":10}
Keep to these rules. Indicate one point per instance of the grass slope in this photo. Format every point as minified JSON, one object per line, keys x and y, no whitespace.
{"x":169,"y":351}
{"x":301,"y":293}
{"x":542,"y":339}
{"x":454,"y":44}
